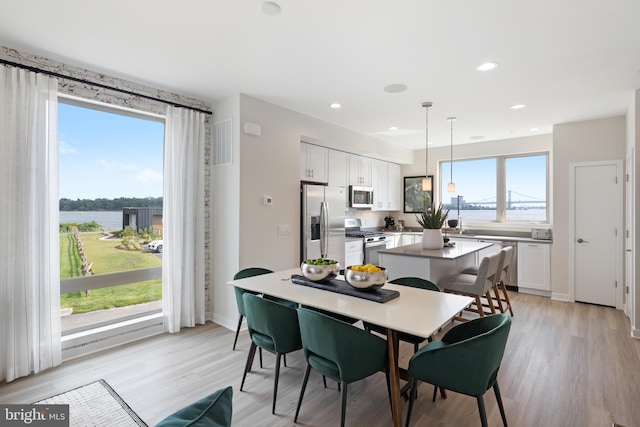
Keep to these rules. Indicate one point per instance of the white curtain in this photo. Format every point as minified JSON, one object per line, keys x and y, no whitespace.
{"x":183,"y":219}
{"x":29,"y":240}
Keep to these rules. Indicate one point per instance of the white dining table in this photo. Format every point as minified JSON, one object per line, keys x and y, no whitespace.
{"x":415,"y":311}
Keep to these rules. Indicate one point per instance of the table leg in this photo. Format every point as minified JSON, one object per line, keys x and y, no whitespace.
{"x":394,"y":377}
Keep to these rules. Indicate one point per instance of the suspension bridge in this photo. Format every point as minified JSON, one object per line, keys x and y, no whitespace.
{"x":523,"y":199}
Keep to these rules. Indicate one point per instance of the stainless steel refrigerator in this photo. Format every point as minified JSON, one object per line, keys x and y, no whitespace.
{"x":322,"y":222}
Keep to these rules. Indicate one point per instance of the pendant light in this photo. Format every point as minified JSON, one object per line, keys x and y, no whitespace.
{"x":426,"y":182}
{"x":451,"y":187}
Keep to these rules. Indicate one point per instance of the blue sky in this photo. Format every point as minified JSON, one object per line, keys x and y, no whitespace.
{"x":105,"y":155}
{"x":476,"y":179}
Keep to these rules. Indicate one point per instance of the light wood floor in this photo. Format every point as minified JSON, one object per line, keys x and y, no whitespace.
{"x":565,"y":365}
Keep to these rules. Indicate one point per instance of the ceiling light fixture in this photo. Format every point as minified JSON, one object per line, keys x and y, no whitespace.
{"x":335,"y":105}
{"x":395,"y":88}
{"x":533,"y":129}
{"x":487,"y":66}
{"x":426,"y":182}
{"x":451,"y":187}
{"x":393,"y":128}
{"x":270,"y":8}
{"x":517,"y":106}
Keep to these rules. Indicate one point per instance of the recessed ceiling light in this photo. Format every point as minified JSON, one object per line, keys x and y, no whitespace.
{"x":270,"y":8}
{"x":393,"y":128}
{"x":335,"y":105}
{"x":395,"y":88}
{"x":487,"y":66}
{"x":533,"y":129}
{"x":476,"y":137}
{"x":517,"y":106}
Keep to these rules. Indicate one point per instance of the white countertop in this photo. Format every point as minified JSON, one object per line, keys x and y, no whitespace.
{"x":460,"y":249}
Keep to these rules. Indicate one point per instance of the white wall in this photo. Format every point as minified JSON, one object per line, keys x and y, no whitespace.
{"x":593,"y":140}
{"x":245,"y":230}
{"x":225,"y":229}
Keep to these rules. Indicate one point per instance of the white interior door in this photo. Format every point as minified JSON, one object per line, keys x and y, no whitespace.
{"x":597,"y":209}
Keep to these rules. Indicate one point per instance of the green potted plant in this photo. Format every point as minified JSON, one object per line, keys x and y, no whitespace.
{"x":431,"y":219}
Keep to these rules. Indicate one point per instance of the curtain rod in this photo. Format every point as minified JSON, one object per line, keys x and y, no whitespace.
{"x":100,"y":85}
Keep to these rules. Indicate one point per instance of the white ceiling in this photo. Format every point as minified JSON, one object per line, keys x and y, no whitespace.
{"x":567,"y":60}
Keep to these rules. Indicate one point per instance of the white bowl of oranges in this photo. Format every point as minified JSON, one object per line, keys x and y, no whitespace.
{"x":366,"y":276}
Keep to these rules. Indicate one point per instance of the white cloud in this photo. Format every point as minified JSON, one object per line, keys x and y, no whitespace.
{"x":104,"y":163}
{"x":65,"y":148}
{"x":149,"y":175}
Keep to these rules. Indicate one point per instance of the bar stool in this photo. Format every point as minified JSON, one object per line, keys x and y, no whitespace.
{"x":499,"y":287}
{"x":477,"y":286}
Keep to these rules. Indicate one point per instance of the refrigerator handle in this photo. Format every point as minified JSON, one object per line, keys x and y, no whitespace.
{"x":324,"y":229}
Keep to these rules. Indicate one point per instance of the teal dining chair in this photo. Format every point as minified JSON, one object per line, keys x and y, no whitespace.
{"x":272,"y":327}
{"x":243,"y":274}
{"x":340,"y":351}
{"x":465,"y":361}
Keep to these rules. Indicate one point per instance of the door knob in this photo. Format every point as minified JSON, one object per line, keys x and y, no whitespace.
{"x":581,"y":240}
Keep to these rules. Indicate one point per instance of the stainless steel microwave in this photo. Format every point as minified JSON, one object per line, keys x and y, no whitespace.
{"x":360,"y":197}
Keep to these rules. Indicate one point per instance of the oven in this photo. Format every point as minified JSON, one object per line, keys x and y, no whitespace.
{"x":372,"y":241}
{"x":371,"y":247}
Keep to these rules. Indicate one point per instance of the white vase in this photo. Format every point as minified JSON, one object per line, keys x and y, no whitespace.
{"x":432,"y":238}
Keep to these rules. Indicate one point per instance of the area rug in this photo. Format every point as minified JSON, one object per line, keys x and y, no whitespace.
{"x":95,"y":404}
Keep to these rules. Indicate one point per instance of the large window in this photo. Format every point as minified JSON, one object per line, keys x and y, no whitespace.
{"x":498,"y":189}
{"x":110,"y":169}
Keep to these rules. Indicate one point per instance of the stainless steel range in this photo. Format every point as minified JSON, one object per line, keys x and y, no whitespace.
{"x":372,"y":241}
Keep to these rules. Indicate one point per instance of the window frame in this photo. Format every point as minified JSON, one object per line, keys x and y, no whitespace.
{"x":501,"y":190}
{"x":102,"y":335}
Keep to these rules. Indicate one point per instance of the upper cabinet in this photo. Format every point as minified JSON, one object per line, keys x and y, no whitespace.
{"x":360,"y":170}
{"x":386,"y":186}
{"x":314,"y":162}
{"x":339,"y":171}
{"x":394,"y":187}
{"x":338,"y":168}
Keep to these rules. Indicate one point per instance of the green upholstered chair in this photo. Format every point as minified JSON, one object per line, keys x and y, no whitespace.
{"x":243,"y":274}
{"x":339,"y":351}
{"x":466,"y":361}
{"x":414,"y":282}
{"x":273,"y":327}
{"x":214,"y":410}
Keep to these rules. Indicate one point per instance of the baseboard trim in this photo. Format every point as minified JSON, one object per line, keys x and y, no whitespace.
{"x":635,"y":333}
{"x":560,"y":297}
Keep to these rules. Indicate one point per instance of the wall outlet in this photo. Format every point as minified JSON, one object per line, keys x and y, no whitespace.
{"x":284,"y":229}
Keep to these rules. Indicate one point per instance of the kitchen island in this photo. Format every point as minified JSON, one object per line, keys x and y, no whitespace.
{"x":430,"y":264}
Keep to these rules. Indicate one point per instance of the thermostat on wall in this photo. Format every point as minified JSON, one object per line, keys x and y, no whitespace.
{"x":267,"y":200}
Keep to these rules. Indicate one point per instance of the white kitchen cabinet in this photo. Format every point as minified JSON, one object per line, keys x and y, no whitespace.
{"x":534,"y":266}
{"x":379,"y":185}
{"x":338,"y":168}
{"x":353,"y":253}
{"x":392,"y":240}
{"x":386,"y":186}
{"x":360,"y":170}
{"x":410,"y":238}
{"x":394,"y":187}
{"x":314,"y":161}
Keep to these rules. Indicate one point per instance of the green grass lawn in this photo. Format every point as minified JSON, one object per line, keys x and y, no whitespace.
{"x":106,"y":258}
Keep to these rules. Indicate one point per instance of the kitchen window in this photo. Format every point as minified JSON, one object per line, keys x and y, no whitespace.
{"x":498,"y":189}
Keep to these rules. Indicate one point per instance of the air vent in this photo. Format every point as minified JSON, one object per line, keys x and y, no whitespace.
{"x":222,"y":143}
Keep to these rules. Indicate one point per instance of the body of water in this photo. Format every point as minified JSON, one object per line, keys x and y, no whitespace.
{"x":106,"y":219}
{"x":536,"y":215}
